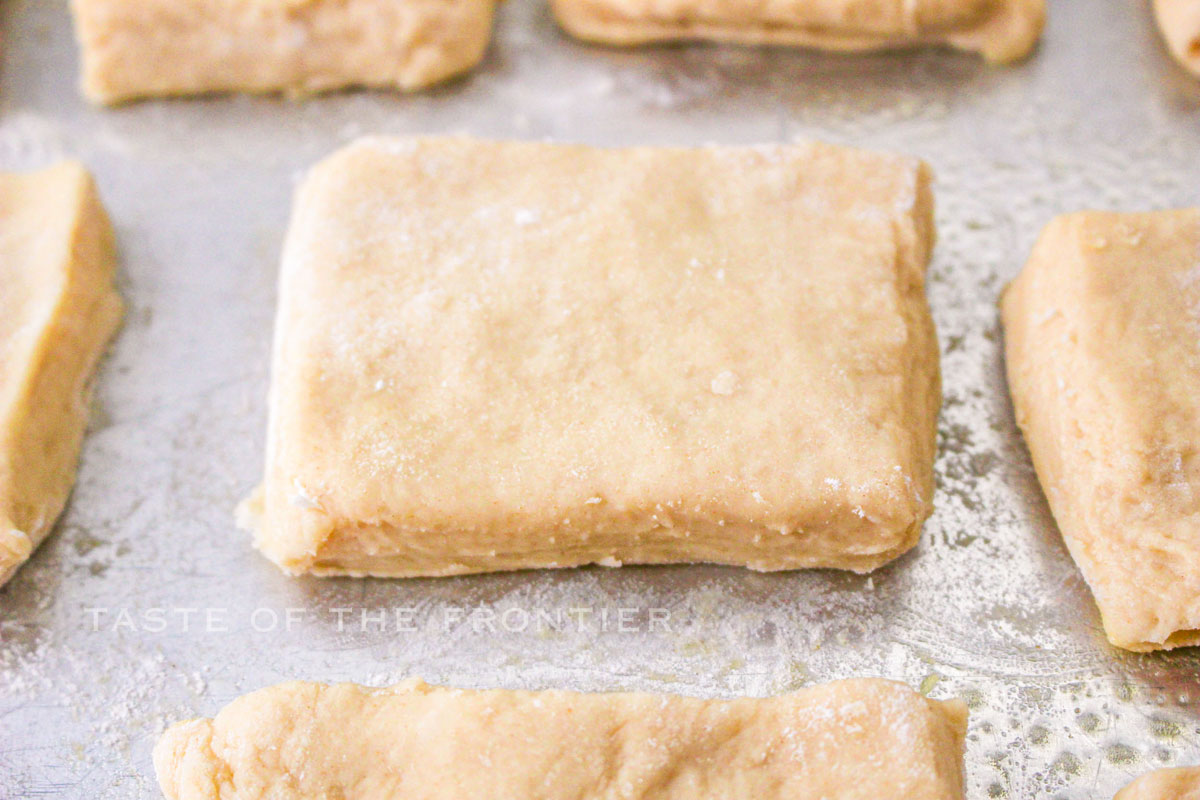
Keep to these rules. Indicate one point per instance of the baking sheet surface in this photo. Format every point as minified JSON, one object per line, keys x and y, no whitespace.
{"x":147,"y":606}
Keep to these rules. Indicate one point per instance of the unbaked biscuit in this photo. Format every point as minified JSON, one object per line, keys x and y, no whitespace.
{"x":1103,"y":330}
{"x":143,"y":48}
{"x":1182,"y":783}
{"x":58,"y":310}
{"x":1179,"y":21}
{"x":1002,"y":30}
{"x":850,"y":740}
{"x":496,"y":356}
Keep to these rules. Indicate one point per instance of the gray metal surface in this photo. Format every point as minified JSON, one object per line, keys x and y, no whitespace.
{"x":989,"y":608}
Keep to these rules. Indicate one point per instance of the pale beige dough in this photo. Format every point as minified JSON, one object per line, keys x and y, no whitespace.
{"x":1002,"y":30}
{"x":1165,"y":784}
{"x":495,"y":356}
{"x":1179,"y":21}
{"x":1103,"y":330}
{"x":142,"y":48}
{"x":851,"y":740}
{"x":58,"y":310}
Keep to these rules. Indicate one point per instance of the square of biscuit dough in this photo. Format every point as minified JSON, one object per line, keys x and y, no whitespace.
{"x":150,"y":48}
{"x":494,"y":356}
{"x":58,"y":309}
{"x":1001,"y":30}
{"x":1103,"y":342}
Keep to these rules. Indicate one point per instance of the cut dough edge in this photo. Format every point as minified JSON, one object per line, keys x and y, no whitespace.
{"x":704,"y":543}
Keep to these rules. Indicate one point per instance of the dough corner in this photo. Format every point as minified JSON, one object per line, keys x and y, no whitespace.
{"x":1177,"y":783}
{"x":1011,"y":36}
{"x":1179,"y":22}
{"x":15,"y":549}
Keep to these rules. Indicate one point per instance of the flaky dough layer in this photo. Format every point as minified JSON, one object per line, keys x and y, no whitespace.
{"x":144,"y":48}
{"x":1002,"y":30}
{"x":1103,"y":341}
{"x":58,"y":310}
{"x":851,"y":740}
{"x":508,"y":355}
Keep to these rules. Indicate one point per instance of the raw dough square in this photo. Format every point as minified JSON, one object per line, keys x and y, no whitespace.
{"x":144,"y":48}
{"x":1179,"y":21}
{"x":1002,"y":30}
{"x":494,"y":356}
{"x":58,"y":310}
{"x":850,"y":740}
{"x":1182,"y":783}
{"x":1103,"y":330}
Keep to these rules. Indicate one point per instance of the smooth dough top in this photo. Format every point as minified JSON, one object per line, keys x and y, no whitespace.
{"x":1103,"y":330}
{"x":851,"y":740}
{"x":1002,"y":30}
{"x":58,"y":309}
{"x":509,"y":347}
{"x":1182,"y":783}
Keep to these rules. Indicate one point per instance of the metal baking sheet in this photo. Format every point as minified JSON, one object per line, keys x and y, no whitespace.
{"x":148,"y":606}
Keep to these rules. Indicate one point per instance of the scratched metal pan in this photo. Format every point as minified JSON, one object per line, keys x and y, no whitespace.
{"x":148,"y":606}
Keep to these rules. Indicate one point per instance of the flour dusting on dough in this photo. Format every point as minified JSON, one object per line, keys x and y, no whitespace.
{"x":725,"y":383}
